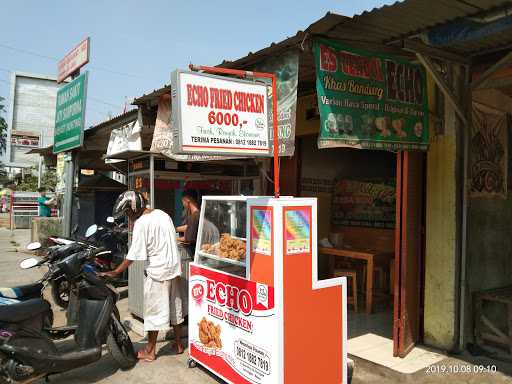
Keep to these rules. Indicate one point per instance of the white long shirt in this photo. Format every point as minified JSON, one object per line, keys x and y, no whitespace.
{"x":154,"y":240}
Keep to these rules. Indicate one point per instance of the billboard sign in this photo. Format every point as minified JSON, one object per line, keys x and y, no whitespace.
{"x":74,"y":60}
{"x":369,"y":100}
{"x":70,"y":115}
{"x":219,"y":115}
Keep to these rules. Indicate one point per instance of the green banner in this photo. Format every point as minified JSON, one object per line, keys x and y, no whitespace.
{"x":369,"y":100}
{"x":70,"y":115}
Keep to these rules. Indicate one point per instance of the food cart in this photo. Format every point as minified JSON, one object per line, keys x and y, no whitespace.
{"x":257,"y":311}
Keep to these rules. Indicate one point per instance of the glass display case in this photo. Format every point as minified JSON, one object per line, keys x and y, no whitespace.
{"x":222,"y":234}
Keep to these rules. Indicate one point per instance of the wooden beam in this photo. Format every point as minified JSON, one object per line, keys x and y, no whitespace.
{"x":496,"y":83}
{"x":418,"y":47}
{"x":482,"y":80}
{"x":450,"y":96}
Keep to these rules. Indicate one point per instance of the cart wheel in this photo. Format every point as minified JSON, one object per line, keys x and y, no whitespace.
{"x":350,"y":370}
{"x":192,"y":363}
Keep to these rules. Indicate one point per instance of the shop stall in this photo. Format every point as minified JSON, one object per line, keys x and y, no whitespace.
{"x":258,"y":312}
{"x":163,"y":180}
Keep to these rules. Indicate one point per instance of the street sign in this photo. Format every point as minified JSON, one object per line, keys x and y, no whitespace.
{"x":74,"y":60}
{"x":70,"y":115}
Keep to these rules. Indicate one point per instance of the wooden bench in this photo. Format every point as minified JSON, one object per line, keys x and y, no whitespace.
{"x":486,"y":329}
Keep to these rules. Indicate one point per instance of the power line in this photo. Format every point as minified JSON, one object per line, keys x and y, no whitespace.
{"x":27,"y":52}
{"x":104,"y":102}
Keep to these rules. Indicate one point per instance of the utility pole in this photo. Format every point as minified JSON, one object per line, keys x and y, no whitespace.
{"x":70,"y":120}
{"x":67,"y":206}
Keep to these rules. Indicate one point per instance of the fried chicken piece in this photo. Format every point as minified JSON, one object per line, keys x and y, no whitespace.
{"x":209,"y":333}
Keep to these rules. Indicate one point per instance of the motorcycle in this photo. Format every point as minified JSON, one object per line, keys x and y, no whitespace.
{"x":112,"y":237}
{"x":10,"y":295}
{"x":26,"y":350}
{"x":13,"y":295}
{"x":60,"y":287}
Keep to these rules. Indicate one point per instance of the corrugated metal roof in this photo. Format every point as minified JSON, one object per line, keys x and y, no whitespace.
{"x":128,"y":115}
{"x":152,"y":95}
{"x":408,"y":17}
{"x":393,"y":22}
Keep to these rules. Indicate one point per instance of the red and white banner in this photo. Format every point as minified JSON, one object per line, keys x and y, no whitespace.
{"x":215,"y":115}
{"x":74,"y":60}
{"x":233,"y":329}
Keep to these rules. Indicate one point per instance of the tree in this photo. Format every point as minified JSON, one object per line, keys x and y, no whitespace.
{"x":29,"y":182}
{"x":49,"y":180}
{"x":3,"y":127}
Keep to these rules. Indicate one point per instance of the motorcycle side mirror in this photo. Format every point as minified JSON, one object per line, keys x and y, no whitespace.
{"x":31,"y":262}
{"x":110,"y":220}
{"x":33,"y":246}
{"x":91,"y":230}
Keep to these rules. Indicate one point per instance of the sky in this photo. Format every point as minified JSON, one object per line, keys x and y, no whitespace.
{"x":136,"y":44}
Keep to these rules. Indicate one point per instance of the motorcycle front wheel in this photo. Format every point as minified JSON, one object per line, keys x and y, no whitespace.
{"x":60,"y":292}
{"x":120,"y":345}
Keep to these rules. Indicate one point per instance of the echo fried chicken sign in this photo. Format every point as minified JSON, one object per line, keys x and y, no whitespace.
{"x":215,"y":115}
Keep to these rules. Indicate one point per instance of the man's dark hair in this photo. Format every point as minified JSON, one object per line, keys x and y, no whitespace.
{"x":191,"y":195}
{"x":41,"y":189}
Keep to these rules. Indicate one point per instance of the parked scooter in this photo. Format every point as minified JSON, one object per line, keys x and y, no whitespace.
{"x":13,"y":295}
{"x":26,"y":352}
{"x":113,"y":237}
{"x":60,"y":287}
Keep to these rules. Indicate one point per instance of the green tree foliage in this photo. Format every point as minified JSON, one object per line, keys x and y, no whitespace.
{"x":29,"y":182}
{"x":49,"y":180}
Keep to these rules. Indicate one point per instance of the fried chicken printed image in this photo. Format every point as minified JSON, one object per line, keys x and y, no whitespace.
{"x":209,"y":334}
{"x":227,"y":247}
{"x":382,"y":124}
{"x":398,"y":126}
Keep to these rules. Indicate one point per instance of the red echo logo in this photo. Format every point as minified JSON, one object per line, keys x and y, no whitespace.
{"x":229,"y":296}
{"x":197,"y":292}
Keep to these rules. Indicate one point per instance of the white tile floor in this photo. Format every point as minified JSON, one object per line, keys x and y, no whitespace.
{"x":379,"y":350}
{"x":371,"y":338}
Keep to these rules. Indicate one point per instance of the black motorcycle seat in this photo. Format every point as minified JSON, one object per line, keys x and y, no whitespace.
{"x":22,"y":291}
{"x":24,"y":310}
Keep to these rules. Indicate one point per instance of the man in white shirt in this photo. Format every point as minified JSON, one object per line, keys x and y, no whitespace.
{"x":154,"y":241}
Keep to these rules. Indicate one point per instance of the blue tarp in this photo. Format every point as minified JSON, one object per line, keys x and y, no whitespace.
{"x":465,"y":31}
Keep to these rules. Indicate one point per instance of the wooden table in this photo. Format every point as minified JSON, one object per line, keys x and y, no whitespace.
{"x":370,"y":256}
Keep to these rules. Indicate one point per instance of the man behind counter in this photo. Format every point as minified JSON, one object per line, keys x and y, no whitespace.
{"x":191,"y":224}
